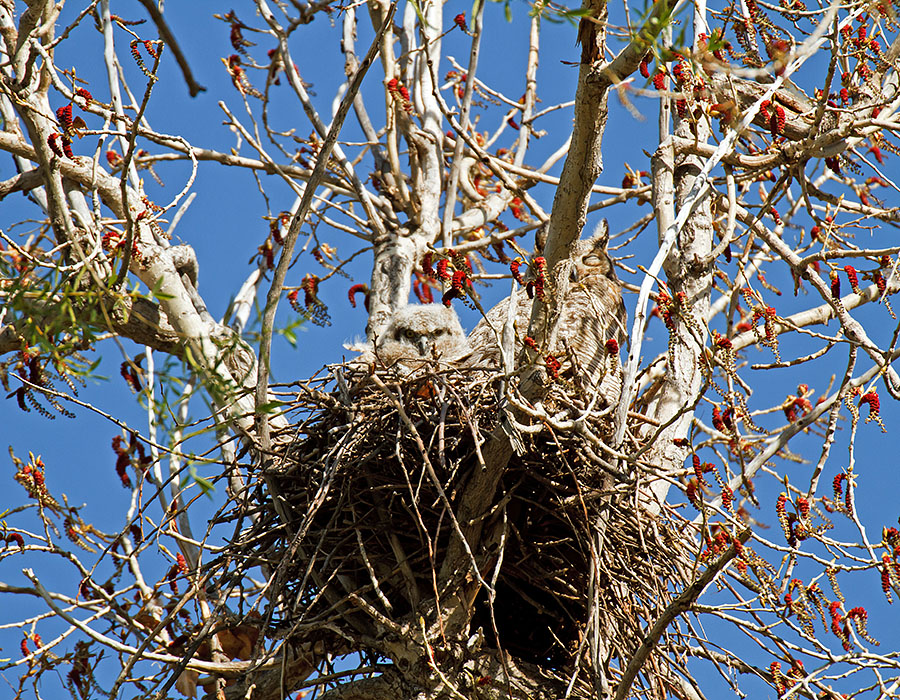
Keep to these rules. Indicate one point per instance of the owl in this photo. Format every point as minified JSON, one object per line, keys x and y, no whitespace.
{"x":590,"y":312}
{"x":418,"y":334}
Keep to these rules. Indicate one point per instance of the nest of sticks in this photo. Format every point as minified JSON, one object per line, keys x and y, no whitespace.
{"x":357,"y":514}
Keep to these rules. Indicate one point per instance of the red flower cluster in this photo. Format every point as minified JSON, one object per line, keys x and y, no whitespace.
{"x":359,"y":289}
{"x":400,"y":93}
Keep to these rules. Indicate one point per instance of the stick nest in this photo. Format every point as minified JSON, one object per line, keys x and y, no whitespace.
{"x":356,"y":517}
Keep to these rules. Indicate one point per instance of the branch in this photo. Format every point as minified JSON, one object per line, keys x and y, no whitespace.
{"x":584,"y":162}
{"x":135,"y":318}
{"x":817,"y":315}
{"x":24,"y":182}
{"x":852,"y":328}
{"x":232,"y":669}
{"x":287,"y":251}
{"x":167,"y":36}
{"x":678,"y":606}
{"x":459,"y":166}
{"x":159,"y":270}
{"x":698,"y":192}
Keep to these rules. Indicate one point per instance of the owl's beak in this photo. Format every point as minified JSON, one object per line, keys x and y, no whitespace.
{"x":424,"y":345}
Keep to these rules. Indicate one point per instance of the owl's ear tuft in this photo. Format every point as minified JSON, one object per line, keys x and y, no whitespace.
{"x":601,"y":233}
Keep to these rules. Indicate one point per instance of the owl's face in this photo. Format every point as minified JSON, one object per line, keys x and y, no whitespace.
{"x":428,"y":331}
{"x":422,"y":342}
{"x":591,"y":257}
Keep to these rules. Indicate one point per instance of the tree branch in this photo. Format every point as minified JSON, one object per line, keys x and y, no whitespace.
{"x":168,"y":36}
{"x":678,"y":606}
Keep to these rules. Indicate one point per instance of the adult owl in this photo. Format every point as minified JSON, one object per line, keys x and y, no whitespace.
{"x":420,"y":333}
{"x":590,"y":312}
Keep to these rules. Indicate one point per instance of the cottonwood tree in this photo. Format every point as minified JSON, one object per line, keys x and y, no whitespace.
{"x":456,"y":531}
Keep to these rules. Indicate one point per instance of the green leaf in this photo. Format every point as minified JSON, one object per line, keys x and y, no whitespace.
{"x":474,"y":12}
{"x":206,"y":486}
{"x":155,"y":293}
{"x":270,"y":406}
{"x":418,"y":12}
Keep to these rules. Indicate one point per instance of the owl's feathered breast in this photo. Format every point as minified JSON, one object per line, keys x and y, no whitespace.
{"x":590,"y":311}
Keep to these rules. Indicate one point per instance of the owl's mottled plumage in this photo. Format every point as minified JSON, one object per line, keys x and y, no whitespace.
{"x":590,"y":311}
{"x":420,"y":333}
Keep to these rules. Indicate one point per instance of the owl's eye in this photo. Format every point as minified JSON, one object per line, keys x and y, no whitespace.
{"x":410,"y":333}
{"x":592,"y":260}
